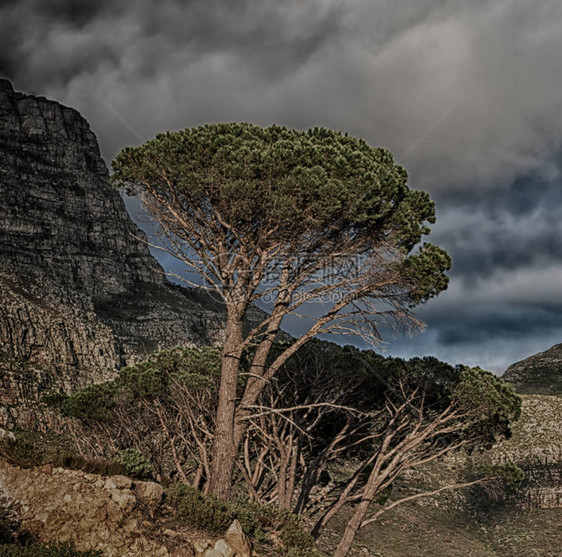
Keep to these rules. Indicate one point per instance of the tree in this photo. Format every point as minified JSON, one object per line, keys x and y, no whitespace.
{"x":163,"y":407}
{"x":423,"y":419}
{"x":294,"y":217}
{"x":381,"y":417}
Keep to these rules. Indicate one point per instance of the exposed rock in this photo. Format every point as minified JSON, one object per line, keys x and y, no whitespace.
{"x":81,"y":294}
{"x":71,"y":505}
{"x":238,"y":540}
{"x":536,"y":447}
{"x":224,"y":549}
{"x":538,"y":374}
{"x":536,"y":443}
{"x":237,"y":544}
{"x":200,"y":546}
{"x":151,"y":492}
{"x":121,"y":482}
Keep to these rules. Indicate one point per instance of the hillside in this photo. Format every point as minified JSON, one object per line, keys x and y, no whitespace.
{"x":81,"y":297}
{"x":538,"y":374}
{"x":452,"y":525}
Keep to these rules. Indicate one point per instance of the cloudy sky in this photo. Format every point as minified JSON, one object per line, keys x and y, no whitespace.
{"x":467,"y":95}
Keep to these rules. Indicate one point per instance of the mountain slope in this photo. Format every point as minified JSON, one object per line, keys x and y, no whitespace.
{"x":80,"y":294}
{"x":538,"y":374}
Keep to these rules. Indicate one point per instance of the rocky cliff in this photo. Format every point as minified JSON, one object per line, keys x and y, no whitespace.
{"x":538,"y":374}
{"x":80,"y":294}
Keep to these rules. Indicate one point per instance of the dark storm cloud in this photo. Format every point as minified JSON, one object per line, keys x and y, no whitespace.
{"x":384,"y":70}
{"x":377,"y":68}
{"x":502,"y":228}
{"x":144,"y":39}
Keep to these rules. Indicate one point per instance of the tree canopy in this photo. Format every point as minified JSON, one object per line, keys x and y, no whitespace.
{"x":240,"y":188}
{"x":294,"y":217}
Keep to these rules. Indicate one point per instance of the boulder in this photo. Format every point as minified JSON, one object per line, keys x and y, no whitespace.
{"x":224,"y":548}
{"x":150,"y":491}
{"x":122,"y":482}
{"x":238,"y":540}
{"x":200,"y":546}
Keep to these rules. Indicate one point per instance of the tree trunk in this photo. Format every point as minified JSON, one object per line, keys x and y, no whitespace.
{"x":351,"y":529}
{"x":225,"y":446}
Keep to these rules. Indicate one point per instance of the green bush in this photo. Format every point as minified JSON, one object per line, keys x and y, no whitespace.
{"x":54,"y":399}
{"x":257,"y":520}
{"x":135,"y":464}
{"x":508,"y":473}
{"x":93,"y":402}
{"x":196,"y":368}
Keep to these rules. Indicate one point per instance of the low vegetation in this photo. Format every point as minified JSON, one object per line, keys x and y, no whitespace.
{"x":262,"y":522}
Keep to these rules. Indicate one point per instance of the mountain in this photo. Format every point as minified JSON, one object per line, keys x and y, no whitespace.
{"x":80,"y":293}
{"x":538,"y":374}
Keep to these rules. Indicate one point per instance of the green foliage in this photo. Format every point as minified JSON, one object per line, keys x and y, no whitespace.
{"x":425,"y":270}
{"x":193,"y":367}
{"x":257,"y":520}
{"x":299,"y":190}
{"x":135,"y":464}
{"x":494,"y":402}
{"x":497,"y":494}
{"x":93,"y":402}
{"x":508,"y":473}
{"x":172,"y":382}
{"x":54,"y":399}
{"x":313,"y":175}
{"x":196,"y":368}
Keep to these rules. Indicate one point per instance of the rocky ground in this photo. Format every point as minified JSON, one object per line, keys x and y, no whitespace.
{"x":95,"y":512}
{"x":120,"y":516}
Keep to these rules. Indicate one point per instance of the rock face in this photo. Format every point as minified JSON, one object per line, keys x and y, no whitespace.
{"x":536,"y":444}
{"x":538,"y":374}
{"x":80,"y":294}
{"x":60,"y":219}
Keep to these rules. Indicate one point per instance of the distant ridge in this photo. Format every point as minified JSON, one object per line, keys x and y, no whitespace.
{"x":538,"y":374}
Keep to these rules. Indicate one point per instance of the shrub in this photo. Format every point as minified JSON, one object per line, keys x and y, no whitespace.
{"x":100,"y":466}
{"x":508,"y":473}
{"x":257,"y":520}
{"x":93,"y":402}
{"x":54,"y":399}
{"x":135,"y":464}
